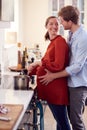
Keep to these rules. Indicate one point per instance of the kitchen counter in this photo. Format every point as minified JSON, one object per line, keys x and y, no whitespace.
{"x":7,"y":79}
{"x":16,"y":97}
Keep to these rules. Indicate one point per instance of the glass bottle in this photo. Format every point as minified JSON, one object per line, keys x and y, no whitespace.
{"x":26,"y":57}
{"x":19,"y":66}
{"x":23,"y":60}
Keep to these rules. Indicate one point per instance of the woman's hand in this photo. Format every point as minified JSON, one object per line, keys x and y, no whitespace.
{"x":47,"y":78}
{"x":33,"y":65}
{"x":30,"y":68}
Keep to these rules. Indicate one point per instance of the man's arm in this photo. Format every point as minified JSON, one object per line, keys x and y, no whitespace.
{"x":49,"y":76}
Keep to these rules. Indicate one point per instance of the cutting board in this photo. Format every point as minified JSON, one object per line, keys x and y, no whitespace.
{"x":14,"y":113}
{"x":15,"y":69}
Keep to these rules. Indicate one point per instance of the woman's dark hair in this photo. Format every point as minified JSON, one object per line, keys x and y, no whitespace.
{"x":47,"y":21}
{"x":69,"y":13}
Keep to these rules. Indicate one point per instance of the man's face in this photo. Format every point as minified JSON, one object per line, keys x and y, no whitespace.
{"x":66,"y":24}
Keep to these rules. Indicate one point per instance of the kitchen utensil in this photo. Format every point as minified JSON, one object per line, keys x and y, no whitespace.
{"x":21,"y":82}
{"x":5,"y":118}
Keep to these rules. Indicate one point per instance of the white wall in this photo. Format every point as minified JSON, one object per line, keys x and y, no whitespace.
{"x":3,"y":25}
{"x":35,"y":13}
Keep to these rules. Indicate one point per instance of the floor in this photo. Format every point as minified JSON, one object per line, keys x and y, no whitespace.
{"x":49,"y":121}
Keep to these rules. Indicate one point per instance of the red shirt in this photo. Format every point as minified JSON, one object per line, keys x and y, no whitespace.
{"x":55,"y":59}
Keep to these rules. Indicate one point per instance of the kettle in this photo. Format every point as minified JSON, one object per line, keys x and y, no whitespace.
{"x":21,"y":81}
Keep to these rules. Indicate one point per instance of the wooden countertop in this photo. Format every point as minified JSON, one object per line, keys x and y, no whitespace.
{"x":14,"y":113}
{"x":16,"y":98}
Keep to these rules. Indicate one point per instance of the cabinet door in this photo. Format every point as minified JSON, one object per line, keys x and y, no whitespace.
{"x":6,"y":10}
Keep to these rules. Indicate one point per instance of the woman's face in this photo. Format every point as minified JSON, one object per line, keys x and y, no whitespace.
{"x":52,"y":26}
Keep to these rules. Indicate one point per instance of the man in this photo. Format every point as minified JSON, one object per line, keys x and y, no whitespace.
{"x":77,"y":69}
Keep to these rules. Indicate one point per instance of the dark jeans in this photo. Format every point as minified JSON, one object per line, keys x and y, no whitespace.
{"x":60,"y":114}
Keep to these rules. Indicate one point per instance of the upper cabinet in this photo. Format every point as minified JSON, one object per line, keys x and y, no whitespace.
{"x":6,"y":10}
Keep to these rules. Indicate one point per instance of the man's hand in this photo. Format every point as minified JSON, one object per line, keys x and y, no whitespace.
{"x":47,"y":78}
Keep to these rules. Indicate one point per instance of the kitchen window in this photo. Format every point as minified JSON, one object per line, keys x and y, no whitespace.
{"x":80,"y":5}
{"x":55,"y":5}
